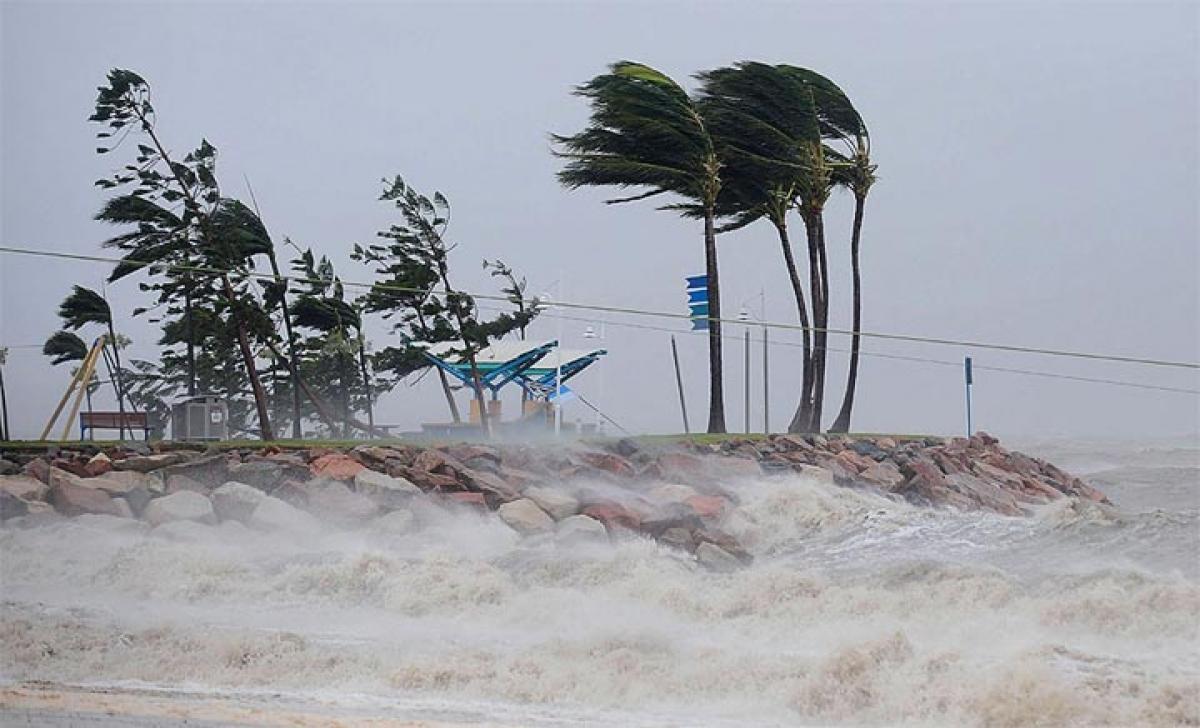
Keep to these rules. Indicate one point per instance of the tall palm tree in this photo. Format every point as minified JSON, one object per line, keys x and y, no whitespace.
{"x":859,"y":176}
{"x":763,"y":121}
{"x":646,"y":133}
{"x":84,"y":306}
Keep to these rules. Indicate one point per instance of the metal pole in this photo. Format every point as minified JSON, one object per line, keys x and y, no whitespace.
{"x":558,"y":369}
{"x":679,"y":383}
{"x":4,"y":433}
{"x":766,"y":388}
{"x":967,"y":373}
{"x":747,"y":380}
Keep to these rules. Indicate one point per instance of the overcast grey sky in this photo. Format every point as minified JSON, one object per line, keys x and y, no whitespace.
{"x":1037,"y":164}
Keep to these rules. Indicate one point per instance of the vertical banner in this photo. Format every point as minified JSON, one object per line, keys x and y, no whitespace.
{"x":697,"y":292}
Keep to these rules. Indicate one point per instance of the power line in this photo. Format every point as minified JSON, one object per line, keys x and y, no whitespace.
{"x":627,"y":311}
{"x":901,"y":357}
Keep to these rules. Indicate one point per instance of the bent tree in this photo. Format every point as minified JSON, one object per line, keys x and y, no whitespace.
{"x":415,"y":286}
{"x":186,"y":189}
{"x":646,"y":133}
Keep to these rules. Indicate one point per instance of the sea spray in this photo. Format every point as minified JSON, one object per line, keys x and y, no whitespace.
{"x":858,"y":609}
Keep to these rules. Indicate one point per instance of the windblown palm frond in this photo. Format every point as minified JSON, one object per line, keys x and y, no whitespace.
{"x":84,"y":306}
{"x":324,"y":314}
{"x":238,"y":230}
{"x":64,"y":346}
{"x":644,"y":132}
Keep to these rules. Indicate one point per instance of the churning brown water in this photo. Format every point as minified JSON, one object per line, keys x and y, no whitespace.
{"x":858,"y":610}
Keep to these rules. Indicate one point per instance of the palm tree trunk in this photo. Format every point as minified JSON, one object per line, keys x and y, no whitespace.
{"x":803,"y":413}
{"x":260,"y":395}
{"x":291,"y":342}
{"x":716,"y":389}
{"x":118,"y":380}
{"x":814,"y":283}
{"x":821,"y":337}
{"x":842,"y":424}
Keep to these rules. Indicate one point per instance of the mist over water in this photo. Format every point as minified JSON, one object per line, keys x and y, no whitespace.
{"x":857,"y":610}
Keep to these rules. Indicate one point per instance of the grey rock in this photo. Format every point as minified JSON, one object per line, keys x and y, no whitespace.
{"x":11,"y":506}
{"x":716,"y":558}
{"x":236,"y":501}
{"x":24,"y":486}
{"x":334,"y":500}
{"x":138,"y":497}
{"x":7,"y":467}
{"x":182,"y":506}
{"x":385,"y":490}
{"x":273,"y":515}
{"x":554,"y":501}
{"x":210,"y":470}
{"x":524,"y":516}
{"x":147,"y":463}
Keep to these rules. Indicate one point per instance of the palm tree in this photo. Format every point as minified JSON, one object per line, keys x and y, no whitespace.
{"x":64,"y":346}
{"x":859,"y":177}
{"x":763,"y":120}
{"x":84,"y":306}
{"x":646,"y":133}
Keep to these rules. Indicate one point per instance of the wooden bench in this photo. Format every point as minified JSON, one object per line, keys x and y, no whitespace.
{"x":113,"y":421}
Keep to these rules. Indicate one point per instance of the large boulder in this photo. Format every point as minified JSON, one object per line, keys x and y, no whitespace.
{"x":385,"y":490}
{"x":210,"y":470}
{"x":72,"y":499}
{"x":98,"y":465}
{"x":883,"y":474}
{"x":24,"y":486}
{"x":524,"y":516}
{"x":178,"y":481}
{"x":554,"y":501}
{"x":236,"y":501}
{"x":119,"y":482}
{"x":11,"y":506}
{"x":335,"y":465}
{"x":182,"y":506}
{"x":332,"y":499}
{"x":273,"y":515}
{"x":8,"y":467}
{"x":264,"y":474}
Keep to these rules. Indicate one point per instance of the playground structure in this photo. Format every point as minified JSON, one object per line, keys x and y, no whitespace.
{"x":539,"y":370}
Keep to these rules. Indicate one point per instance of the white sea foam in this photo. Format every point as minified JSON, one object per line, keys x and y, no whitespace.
{"x":857,"y":610}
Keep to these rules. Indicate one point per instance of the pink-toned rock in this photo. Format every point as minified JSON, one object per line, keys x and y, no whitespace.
{"x":708,"y":506}
{"x":25,"y":487}
{"x":609,"y":463}
{"x":885,"y":474}
{"x":38,"y":468}
{"x":885,"y":443}
{"x":678,"y":466}
{"x":524,"y":516}
{"x":72,"y":499}
{"x":432,"y":461}
{"x":338,"y":466}
{"x":853,"y":462}
{"x":426,"y":480}
{"x":466,"y":498}
{"x":613,"y":515}
{"x":492,"y":486}
{"x":98,"y":465}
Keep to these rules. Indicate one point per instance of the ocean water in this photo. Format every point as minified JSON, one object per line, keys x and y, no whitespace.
{"x":857,"y":610}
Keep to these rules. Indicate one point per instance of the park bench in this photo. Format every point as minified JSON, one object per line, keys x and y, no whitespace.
{"x":113,"y":421}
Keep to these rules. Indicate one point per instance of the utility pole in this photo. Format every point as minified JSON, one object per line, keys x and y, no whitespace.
{"x":4,"y":431}
{"x":766,"y":387}
{"x":747,"y":380}
{"x":679,"y":383}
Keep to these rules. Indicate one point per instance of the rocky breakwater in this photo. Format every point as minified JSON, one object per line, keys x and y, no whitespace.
{"x":677,"y":492}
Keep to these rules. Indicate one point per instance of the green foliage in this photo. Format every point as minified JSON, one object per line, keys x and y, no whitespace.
{"x":414,"y":288}
{"x":84,"y":306}
{"x":64,"y":346}
{"x":646,"y":133}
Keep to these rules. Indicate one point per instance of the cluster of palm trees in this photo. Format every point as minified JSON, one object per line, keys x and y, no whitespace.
{"x":754,"y":141}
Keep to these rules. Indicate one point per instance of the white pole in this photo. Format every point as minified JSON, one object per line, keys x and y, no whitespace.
{"x":558,"y":368}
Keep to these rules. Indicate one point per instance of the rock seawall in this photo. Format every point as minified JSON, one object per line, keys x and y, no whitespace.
{"x":673,"y":491}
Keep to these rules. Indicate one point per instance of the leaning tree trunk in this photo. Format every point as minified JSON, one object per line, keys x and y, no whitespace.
{"x":297,"y":433}
{"x":119,"y":380}
{"x":449,"y":396}
{"x":842,"y":424}
{"x":260,"y":395}
{"x":716,"y":389}
{"x":191,"y":338}
{"x":821,"y":336}
{"x":803,"y":413}
{"x":362,"y":364}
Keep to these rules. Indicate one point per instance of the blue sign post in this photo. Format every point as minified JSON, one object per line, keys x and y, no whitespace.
{"x":697,"y":290}
{"x":970,"y":381}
